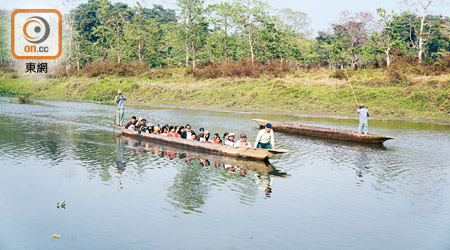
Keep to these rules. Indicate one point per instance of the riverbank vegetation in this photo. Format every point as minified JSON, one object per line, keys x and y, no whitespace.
{"x":319,"y":91}
{"x":246,"y":55}
{"x":196,"y":34}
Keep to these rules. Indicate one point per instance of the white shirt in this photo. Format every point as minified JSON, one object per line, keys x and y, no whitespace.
{"x":242,"y":144}
{"x":229,"y":143}
{"x":363,"y":115}
{"x":120,"y":102}
{"x":265,"y":137}
{"x":189,"y":135}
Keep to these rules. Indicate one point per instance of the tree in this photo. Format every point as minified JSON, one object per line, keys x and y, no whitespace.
{"x":137,"y":33}
{"x":248,"y":17}
{"x":195,"y":26}
{"x":420,"y":8}
{"x":388,"y":35}
{"x":297,"y":21}
{"x":352,"y":34}
{"x":5,"y":31}
{"x":120,"y":14}
{"x":221,"y":17}
{"x":103,"y":30}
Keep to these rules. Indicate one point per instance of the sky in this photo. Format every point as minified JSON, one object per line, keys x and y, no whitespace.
{"x":321,"y":12}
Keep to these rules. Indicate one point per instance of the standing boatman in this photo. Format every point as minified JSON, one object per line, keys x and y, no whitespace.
{"x":363,"y":119}
{"x":120,"y":102}
{"x":265,"y":138}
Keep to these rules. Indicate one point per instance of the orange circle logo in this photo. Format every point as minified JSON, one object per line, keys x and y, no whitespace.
{"x":38,"y":24}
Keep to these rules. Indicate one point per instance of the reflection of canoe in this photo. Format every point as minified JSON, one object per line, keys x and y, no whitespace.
{"x":262,"y":167}
{"x":330,"y":133}
{"x":248,"y":153}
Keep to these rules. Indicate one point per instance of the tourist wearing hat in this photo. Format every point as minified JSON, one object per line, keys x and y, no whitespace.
{"x":243,"y":142}
{"x":265,"y":138}
{"x":205,"y":137}
{"x":230,"y":140}
{"x":120,"y":102}
{"x":363,"y":119}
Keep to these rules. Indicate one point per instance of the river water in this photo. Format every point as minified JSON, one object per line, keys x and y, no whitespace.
{"x":122,"y":193}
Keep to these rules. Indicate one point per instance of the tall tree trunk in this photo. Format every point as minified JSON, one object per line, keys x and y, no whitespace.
{"x":420,"y":52}
{"x":118,"y":49}
{"x":102,"y":53}
{"x":225,"y":48}
{"x":186,"y":40}
{"x":194,"y":56}
{"x":139,"y":48}
{"x":251,"y":48}
{"x":70,"y":39}
{"x":388,"y":56}
{"x":250,"y":31}
{"x":78,"y":56}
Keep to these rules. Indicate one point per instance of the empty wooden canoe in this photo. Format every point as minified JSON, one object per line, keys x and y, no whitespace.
{"x":330,"y":133}
{"x":242,"y":152}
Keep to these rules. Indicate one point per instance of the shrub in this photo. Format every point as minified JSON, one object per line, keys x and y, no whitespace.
{"x":158,"y":74}
{"x":240,"y":69}
{"x":118,"y":69}
{"x":25,"y":99}
{"x":340,"y":74}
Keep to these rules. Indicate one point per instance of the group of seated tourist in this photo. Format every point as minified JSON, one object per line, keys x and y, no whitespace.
{"x":186,"y":132}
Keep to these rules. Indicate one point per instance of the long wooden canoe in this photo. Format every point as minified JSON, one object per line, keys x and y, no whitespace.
{"x":330,"y":133}
{"x":262,"y":167}
{"x":241,"y":152}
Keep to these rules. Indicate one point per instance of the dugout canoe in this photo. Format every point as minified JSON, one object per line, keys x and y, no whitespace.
{"x":330,"y":133}
{"x":164,"y":150}
{"x":242,"y":152}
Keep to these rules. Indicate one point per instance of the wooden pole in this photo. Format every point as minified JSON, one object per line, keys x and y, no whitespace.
{"x":348,"y":78}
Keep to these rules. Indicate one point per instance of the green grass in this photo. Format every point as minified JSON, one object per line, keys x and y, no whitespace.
{"x":422,"y":97}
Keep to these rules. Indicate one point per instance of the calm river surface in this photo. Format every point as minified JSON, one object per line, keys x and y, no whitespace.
{"x":129,"y":194}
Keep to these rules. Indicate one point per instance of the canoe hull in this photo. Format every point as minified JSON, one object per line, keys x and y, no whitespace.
{"x":261,"y":167}
{"x":245,"y":153}
{"x":321,"y":132}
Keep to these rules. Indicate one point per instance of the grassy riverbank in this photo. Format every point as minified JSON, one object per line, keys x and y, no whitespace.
{"x":414,"y":96}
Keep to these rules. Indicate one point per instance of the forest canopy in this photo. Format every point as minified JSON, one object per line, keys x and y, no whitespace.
{"x":100,"y":31}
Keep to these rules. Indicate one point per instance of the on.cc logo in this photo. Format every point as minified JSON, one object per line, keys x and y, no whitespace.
{"x":37,"y":24}
{"x":36,"y":34}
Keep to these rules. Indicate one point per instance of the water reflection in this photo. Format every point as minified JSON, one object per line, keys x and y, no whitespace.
{"x":362,"y":165}
{"x":402,"y":189}
{"x":199,"y":173}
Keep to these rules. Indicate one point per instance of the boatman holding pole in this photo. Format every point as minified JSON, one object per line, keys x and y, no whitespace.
{"x":363,"y":119}
{"x":120,"y":110}
{"x":265,"y":138}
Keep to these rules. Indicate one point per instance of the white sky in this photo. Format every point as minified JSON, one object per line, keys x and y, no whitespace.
{"x":321,"y":12}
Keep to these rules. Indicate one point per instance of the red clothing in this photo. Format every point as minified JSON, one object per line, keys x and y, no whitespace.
{"x":217,"y":142}
{"x":129,"y":124}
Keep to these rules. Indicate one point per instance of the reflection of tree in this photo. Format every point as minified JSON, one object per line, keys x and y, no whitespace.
{"x":94,"y":154}
{"x":24,"y":136}
{"x":190,"y":188}
{"x":248,"y":189}
{"x":59,"y":141}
